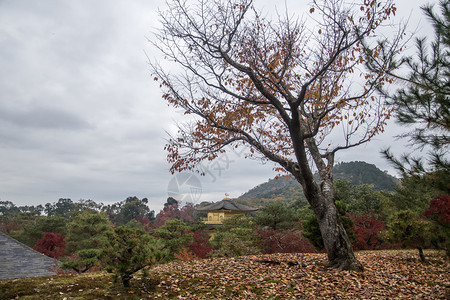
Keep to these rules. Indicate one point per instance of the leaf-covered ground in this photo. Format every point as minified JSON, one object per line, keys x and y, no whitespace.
{"x":387,"y":275}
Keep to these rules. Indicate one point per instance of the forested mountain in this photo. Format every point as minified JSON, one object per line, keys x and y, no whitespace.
{"x":357,"y":172}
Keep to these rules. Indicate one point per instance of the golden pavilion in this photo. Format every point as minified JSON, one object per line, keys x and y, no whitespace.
{"x":222,"y":210}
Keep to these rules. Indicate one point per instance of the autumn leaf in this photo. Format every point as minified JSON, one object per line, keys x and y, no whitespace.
{"x":387,"y":274}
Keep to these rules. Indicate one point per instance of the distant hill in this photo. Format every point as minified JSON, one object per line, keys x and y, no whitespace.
{"x":281,"y":189}
{"x":357,"y":172}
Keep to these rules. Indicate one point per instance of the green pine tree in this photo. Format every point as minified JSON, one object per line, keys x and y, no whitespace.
{"x":176,"y":234}
{"x":424,"y":103}
{"x":86,"y":239}
{"x":130,"y":250}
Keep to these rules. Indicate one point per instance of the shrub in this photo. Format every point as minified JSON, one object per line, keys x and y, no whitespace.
{"x":409,"y":229}
{"x":200,"y":246}
{"x":367,"y":229}
{"x":51,"y":244}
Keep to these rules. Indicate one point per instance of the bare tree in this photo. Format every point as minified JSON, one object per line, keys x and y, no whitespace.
{"x":279,"y":87}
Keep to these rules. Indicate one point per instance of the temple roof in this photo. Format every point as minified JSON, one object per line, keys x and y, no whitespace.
{"x":226,"y":205}
{"x":18,"y":260}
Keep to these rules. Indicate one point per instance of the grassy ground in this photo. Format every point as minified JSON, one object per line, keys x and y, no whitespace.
{"x":387,"y":275}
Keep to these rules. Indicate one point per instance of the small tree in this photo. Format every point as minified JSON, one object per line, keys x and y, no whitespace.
{"x":87,"y":231}
{"x":176,"y":234}
{"x":130,"y":250}
{"x":51,"y":244}
{"x":410,"y":230}
{"x":85,"y":240}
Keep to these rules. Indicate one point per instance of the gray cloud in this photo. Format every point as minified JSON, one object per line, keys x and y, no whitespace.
{"x":44,"y":118}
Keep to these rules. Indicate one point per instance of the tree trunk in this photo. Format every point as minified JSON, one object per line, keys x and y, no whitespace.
{"x":126,"y":279}
{"x":335,"y":239}
{"x":321,"y":198}
{"x":421,"y":255}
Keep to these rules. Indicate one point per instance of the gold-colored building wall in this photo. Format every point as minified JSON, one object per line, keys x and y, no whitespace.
{"x":217,"y":217}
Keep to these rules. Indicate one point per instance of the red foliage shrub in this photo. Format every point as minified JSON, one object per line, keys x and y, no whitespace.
{"x":199,"y":245}
{"x":51,"y":244}
{"x":439,"y":210}
{"x":171,"y":212}
{"x":366,"y":229}
{"x":284,"y":242}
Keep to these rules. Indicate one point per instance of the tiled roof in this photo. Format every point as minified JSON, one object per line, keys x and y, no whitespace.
{"x":226,"y":205}
{"x":18,"y":260}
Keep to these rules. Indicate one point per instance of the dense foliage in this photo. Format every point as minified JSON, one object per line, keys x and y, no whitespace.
{"x":416,"y":192}
{"x":367,"y":229}
{"x":29,"y":227}
{"x":359,"y":199}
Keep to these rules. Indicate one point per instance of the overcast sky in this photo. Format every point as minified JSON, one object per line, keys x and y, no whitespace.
{"x":81,"y":118}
